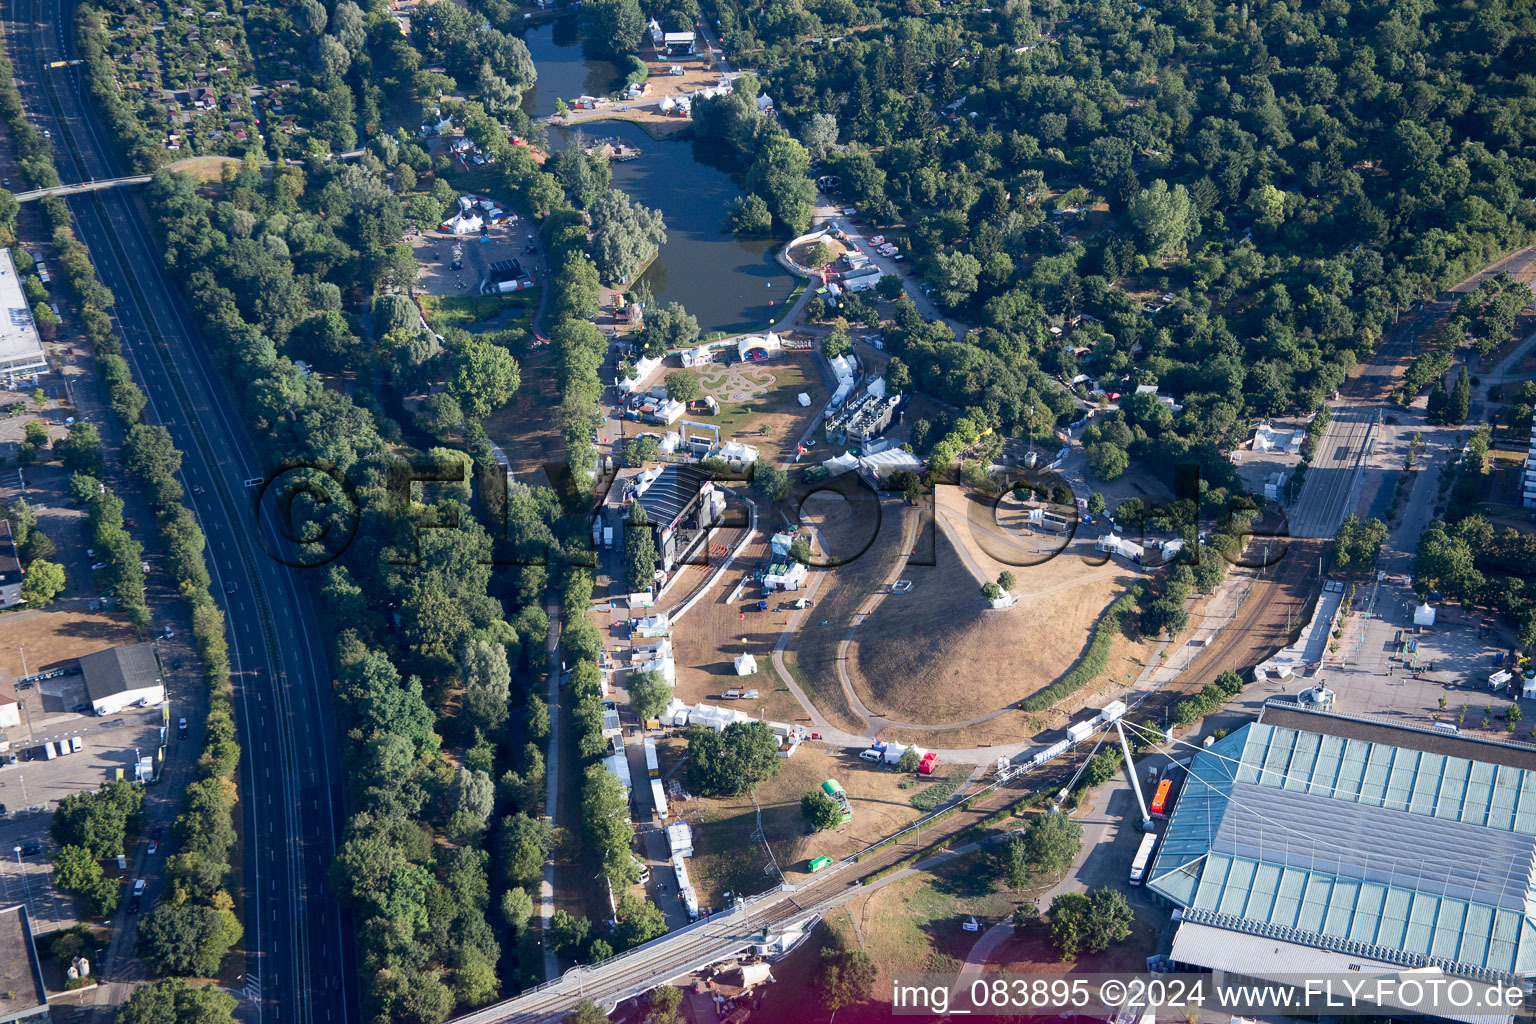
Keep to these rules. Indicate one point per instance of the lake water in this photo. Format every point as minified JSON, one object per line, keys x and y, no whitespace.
{"x":726,"y":282}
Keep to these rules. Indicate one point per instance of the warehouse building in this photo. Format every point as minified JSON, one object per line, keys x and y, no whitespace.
{"x":21,"y":351}
{"x":1310,"y":842}
{"x":120,"y":677}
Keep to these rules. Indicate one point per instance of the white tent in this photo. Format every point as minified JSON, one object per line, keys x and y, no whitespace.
{"x":652,"y":625}
{"x":1528,"y":687}
{"x":675,"y":714}
{"x":746,"y":665}
{"x":889,"y":461}
{"x":877,"y":387}
{"x":738,"y":454}
{"x":804,"y":399}
{"x":1424,"y":615}
{"x":844,"y":368}
{"x":1117,"y":545}
{"x":840,"y":464}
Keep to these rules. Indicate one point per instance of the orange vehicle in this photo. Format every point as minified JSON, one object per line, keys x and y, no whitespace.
{"x":1160,"y":800}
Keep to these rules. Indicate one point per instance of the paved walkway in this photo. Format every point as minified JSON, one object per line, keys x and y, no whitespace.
{"x":552,"y":777}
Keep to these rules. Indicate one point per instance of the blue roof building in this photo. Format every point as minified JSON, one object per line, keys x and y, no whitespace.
{"x":1319,"y":841}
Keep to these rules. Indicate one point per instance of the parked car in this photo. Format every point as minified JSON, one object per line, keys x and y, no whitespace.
{"x":31,"y":849}
{"x":153,"y":846}
{"x":181,"y":728}
{"x":95,"y":566}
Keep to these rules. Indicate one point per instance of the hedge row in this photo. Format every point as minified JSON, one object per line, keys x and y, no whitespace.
{"x":1094,"y":659}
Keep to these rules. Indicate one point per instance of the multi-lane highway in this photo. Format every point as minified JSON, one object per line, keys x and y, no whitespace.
{"x":299,"y":961}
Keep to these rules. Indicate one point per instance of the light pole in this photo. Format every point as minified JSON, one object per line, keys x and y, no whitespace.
{"x":23,"y":650}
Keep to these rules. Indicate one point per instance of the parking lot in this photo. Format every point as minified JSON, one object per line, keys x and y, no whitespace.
{"x":1453,"y":660}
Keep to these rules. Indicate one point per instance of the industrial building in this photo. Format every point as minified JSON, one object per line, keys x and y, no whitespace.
{"x":21,"y":351}
{"x":1310,"y":842}
{"x":21,"y":973}
{"x":120,"y":677}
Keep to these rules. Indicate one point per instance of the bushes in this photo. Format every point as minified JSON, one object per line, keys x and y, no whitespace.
{"x":1210,"y":698}
{"x":1094,"y":659}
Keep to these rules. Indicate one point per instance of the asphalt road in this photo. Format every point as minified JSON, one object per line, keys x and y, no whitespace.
{"x":299,"y":961}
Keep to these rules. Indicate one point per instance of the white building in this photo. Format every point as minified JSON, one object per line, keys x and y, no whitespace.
{"x":1530,"y":475}
{"x":121,"y":677}
{"x":21,"y":351}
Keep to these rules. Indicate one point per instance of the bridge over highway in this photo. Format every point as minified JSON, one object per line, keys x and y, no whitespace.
{"x":84,"y":186}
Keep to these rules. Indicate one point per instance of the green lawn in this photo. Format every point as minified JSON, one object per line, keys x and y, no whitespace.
{"x":444,"y":311}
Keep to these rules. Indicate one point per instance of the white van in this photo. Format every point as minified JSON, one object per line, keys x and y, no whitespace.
{"x":138,"y":887}
{"x":48,"y":752}
{"x":75,"y":744}
{"x":873,"y":756}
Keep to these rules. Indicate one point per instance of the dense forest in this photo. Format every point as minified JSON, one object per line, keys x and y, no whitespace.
{"x":1284,"y":180}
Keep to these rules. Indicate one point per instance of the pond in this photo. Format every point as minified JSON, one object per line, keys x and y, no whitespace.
{"x":727,"y":282}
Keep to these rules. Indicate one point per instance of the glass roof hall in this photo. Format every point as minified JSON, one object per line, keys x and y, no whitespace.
{"x":1348,"y":840}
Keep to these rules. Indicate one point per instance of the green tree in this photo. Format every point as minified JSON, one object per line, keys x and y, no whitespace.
{"x":487,"y":684}
{"x":1088,"y":923}
{"x":172,"y":1000}
{"x":649,"y":694}
{"x":836,"y":344}
{"x":611,"y":28}
{"x":750,"y":215}
{"x":80,"y":450}
{"x":1051,"y":844}
{"x":43,"y":582}
{"x":639,"y":921}
{"x":639,"y":550}
{"x":188,"y":939}
{"x":820,"y":256}
{"x":1164,"y":218}
{"x":516,"y":908}
{"x":909,"y":760}
{"x":770,"y":481}
{"x":732,"y":761}
{"x":567,"y":934}
{"x":682,"y":386}
{"x":1107,"y":461}
{"x":484,"y":378}
{"x":820,"y":810}
{"x":844,"y":977}
{"x":585,"y":1011}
